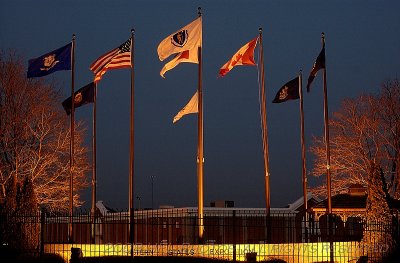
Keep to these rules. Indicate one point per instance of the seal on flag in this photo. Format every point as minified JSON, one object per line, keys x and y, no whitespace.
{"x":180,"y":38}
{"x":283,"y":93}
{"x":49,"y":62}
{"x":78,"y":97}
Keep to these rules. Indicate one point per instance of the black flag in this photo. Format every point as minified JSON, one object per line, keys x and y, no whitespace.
{"x":318,"y":64}
{"x":82,"y":96}
{"x":289,"y":91}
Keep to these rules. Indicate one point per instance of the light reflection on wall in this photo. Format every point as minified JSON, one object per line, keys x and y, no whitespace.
{"x":297,"y":252}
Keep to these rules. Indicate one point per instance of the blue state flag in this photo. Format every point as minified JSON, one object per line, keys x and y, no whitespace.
{"x":59,"y":59}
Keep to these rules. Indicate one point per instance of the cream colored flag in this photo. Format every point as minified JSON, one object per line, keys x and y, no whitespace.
{"x":191,"y":107}
{"x":186,"y":38}
{"x":189,"y":56}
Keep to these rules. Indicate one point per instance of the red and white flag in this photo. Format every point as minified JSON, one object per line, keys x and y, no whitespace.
{"x":119,"y":57}
{"x":244,"y":56}
{"x":188,"y":56}
{"x":186,"y":38}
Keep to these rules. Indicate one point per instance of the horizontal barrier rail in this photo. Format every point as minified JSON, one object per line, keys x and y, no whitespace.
{"x":230,"y":233}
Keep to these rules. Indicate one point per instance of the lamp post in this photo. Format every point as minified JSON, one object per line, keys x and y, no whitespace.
{"x":139,"y":200}
{"x":152,"y":191}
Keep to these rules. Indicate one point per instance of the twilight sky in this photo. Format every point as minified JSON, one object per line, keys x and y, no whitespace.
{"x":362,"y":51}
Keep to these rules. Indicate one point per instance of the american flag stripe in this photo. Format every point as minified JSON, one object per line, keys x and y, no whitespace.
{"x":120,"y":61}
{"x":103,"y":60}
{"x":115,"y":59}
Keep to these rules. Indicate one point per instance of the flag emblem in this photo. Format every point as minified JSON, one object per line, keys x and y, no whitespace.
{"x":180,"y":38}
{"x":49,"y":62}
{"x":289,"y":91}
{"x":283,"y":93}
{"x":78,"y":97}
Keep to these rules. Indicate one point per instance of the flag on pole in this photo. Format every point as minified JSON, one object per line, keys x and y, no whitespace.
{"x":59,"y":59}
{"x":289,"y":91}
{"x":244,"y":56}
{"x":189,"y":56}
{"x":318,"y":64}
{"x":191,"y":107}
{"x":117,"y":58}
{"x":187,"y":38}
{"x":82,"y":96}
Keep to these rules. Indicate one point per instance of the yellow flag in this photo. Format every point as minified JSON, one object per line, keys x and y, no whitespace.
{"x":191,"y":107}
{"x":186,"y":38}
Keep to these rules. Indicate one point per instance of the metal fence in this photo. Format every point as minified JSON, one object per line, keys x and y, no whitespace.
{"x":228,"y":233}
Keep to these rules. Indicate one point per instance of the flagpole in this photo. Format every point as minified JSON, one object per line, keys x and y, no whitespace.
{"x":71,"y":147}
{"x":328,"y":155}
{"x":326,"y":128}
{"x":200,"y":146}
{"x":303,"y":153}
{"x":303,"y":148}
{"x":131,"y":150}
{"x":94,"y":165}
{"x":265,"y":138}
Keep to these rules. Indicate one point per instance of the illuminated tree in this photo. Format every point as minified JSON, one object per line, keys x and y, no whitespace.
{"x":34,"y":137}
{"x":364,"y":130}
{"x":378,"y":229}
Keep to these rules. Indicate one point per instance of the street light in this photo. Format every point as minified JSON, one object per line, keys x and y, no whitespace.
{"x":152,"y":191}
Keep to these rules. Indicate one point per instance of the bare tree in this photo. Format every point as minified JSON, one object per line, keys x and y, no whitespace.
{"x":35,"y":136}
{"x":389,"y":103}
{"x":364,"y":130}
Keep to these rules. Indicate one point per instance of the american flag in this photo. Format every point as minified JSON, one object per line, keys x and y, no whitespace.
{"x":119,"y":57}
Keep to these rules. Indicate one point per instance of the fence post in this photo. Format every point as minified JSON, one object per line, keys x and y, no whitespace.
{"x":306,"y":219}
{"x":42,"y":229}
{"x":234,"y":234}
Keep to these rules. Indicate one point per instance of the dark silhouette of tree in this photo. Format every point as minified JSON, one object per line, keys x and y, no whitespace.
{"x":20,"y":226}
{"x":28,"y":208}
{"x":8,"y":210}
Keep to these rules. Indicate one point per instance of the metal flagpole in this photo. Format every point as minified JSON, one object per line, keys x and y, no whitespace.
{"x":328,"y":155}
{"x":326,"y":128}
{"x":303,"y":154}
{"x":71,"y":146}
{"x":200,"y":145}
{"x":93,"y":211}
{"x":265,"y":138}
{"x":131,"y":150}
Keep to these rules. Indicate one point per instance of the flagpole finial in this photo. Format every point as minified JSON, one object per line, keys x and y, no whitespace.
{"x":132,"y":31}
{"x":73,"y":37}
{"x":260,"y":30}
{"x":199,"y":11}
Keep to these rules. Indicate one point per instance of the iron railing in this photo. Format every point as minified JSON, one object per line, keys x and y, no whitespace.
{"x":229,"y":233}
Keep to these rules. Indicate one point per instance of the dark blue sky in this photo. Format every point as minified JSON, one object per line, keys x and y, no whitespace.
{"x":362,"y":50}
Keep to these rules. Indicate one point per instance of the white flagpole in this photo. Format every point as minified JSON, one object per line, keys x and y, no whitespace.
{"x":200,"y":145}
